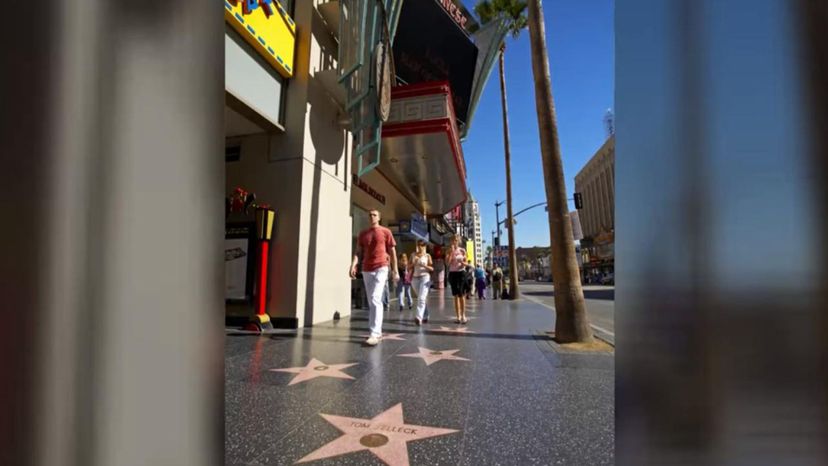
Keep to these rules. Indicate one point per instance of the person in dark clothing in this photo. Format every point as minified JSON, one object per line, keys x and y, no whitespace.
{"x":469,"y":277}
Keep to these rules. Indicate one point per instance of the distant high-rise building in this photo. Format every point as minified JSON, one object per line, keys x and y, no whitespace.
{"x":475,"y":232}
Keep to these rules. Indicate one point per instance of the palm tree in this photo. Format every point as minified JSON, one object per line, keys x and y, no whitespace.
{"x":513,"y":12}
{"x":571,"y":323}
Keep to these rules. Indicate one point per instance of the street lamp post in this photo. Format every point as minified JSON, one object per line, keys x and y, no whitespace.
{"x":494,"y":245}
{"x":497,"y":218}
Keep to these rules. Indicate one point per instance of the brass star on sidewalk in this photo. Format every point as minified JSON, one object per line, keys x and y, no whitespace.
{"x":431,"y":356}
{"x":386,"y":436}
{"x":443,"y":328}
{"x":389,"y":336}
{"x":316,"y":368}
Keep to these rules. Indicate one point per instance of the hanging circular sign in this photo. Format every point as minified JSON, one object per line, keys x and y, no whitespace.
{"x":382,"y":66}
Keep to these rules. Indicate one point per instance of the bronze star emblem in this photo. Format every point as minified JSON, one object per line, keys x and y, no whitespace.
{"x":431,"y":356}
{"x":389,"y":336}
{"x":316,"y":368}
{"x":386,"y":436}
{"x":454,"y":329}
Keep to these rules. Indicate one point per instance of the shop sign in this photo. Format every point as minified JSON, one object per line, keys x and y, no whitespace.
{"x":239,"y":252}
{"x":455,"y":12}
{"x":266,"y":26}
{"x":415,"y":227}
{"x":371,"y":192}
{"x":419,"y":226}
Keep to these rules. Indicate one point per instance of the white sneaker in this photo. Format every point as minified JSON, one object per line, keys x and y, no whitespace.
{"x":372,"y":341}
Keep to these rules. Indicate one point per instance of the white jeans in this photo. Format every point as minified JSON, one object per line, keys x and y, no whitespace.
{"x":421,"y":284}
{"x":375,"y":281}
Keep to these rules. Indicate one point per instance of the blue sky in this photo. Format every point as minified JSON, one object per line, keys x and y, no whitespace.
{"x":580,"y":40}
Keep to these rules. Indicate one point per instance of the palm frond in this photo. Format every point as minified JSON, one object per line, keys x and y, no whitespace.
{"x":513,"y":11}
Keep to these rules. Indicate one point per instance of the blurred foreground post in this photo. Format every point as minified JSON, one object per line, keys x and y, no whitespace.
{"x":113,"y":168}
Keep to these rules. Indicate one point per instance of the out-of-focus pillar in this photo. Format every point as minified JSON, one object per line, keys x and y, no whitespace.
{"x":126,"y":342}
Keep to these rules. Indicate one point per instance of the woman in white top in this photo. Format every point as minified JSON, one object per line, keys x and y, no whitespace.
{"x":420,"y":267}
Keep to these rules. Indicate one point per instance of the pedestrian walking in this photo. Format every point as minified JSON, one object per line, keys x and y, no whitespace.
{"x":469,"y":281}
{"x":480,"y":278}
{"x":404,"y":285}
{"x":456,"y":258}
{"x":497,"y":283}
{"x":376,"y":243}
{"x":420,"y":269}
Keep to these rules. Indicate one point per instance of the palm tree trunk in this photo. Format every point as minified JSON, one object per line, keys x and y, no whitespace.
{"x":513,"y":274}
{"x":571,"y":323}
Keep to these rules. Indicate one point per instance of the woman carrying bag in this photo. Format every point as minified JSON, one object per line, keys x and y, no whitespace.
{"x":419,"y":269}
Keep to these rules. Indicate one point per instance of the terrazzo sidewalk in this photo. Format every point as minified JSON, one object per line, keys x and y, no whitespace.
{"x":496,"y":392}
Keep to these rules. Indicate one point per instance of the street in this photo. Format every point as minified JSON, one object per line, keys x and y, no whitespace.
{"x":600,"y":301}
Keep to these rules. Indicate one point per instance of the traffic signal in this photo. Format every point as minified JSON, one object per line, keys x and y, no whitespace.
{"x":579,"y":201}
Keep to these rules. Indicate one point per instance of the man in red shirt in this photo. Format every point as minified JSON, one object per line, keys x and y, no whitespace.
{"x":377,"y":245}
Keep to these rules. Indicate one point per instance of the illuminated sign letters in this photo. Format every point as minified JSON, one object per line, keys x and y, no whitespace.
{"x":455,"y":12}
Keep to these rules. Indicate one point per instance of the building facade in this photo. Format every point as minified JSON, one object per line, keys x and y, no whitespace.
{"x":596,"y":183}
{"x":292,"y":137}
{"x":282,"y":144}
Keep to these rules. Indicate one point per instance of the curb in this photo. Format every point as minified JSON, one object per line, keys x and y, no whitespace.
{"x":599,"y":335}
{"x":595,"y":331}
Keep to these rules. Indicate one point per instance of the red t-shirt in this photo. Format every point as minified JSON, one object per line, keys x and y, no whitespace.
{"x":376,"y":243}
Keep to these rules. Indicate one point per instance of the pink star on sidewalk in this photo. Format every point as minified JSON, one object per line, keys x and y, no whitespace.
{"x":454,"y":329}
{"x":316,"y":368}
{"x":431,"y":356}
{"x":386,"y":436}
{"x":389,"y":336}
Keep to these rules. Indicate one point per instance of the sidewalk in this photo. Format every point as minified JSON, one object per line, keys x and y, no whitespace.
{"x":491,"y":392}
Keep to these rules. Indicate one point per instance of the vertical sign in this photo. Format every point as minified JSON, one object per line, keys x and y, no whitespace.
{"x":577,"y":232}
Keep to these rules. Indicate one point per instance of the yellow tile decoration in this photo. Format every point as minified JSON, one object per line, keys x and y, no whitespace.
{"x":266,"y":26}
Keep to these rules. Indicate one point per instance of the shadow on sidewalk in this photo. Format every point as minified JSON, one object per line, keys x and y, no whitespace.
{"x":608,"y":295}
